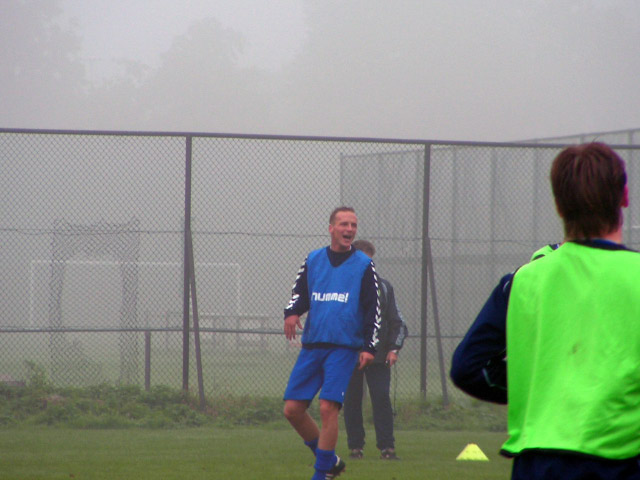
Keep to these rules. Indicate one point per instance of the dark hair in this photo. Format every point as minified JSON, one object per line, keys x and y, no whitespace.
{"x":366,"y":246}
{"x":588,"y":186}
{"x":332,"y":217}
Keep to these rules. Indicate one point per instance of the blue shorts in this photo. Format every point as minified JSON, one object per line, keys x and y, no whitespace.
{"x":324,"y":370}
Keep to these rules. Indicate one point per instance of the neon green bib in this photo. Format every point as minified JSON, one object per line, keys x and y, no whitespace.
{"x":573,"y":353}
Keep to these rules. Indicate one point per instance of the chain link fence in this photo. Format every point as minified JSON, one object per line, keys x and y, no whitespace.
{"x":92,"y":226}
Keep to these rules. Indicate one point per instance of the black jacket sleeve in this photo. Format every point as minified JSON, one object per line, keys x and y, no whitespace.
{"x":479,"y":365}
{"x":299,"y":303}
{"x":370,"y":301}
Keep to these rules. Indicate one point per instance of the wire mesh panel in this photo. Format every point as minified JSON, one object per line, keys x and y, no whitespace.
{"x":489,"y":208}
{"x":263,"y":204}
{"x":92,"y":228}
{"x":91,"y":235}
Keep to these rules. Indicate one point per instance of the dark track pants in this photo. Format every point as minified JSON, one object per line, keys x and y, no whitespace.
{"x":378,"y":377}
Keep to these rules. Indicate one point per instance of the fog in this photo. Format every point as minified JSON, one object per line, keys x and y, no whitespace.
{"x":482,"y":70}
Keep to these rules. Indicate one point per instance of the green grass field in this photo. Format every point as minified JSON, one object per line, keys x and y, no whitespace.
{"x":239,"y":453}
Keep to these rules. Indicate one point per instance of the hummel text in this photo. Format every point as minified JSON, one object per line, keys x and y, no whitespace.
{"x":330,"y":297}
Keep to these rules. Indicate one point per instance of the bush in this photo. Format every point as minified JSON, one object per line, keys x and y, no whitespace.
{"x":125,"y":406}
{"x":245,"y":410}
{"x":430,"y":415}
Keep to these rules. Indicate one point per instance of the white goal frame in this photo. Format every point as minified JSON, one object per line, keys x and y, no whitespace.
{"x":115,"y":263}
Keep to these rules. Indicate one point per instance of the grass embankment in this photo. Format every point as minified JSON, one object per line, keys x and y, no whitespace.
{"x":122,"y":406}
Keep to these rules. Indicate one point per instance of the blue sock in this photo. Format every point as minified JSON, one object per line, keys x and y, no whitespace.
{"x":325,"y":460}
{"x":313,"y":445}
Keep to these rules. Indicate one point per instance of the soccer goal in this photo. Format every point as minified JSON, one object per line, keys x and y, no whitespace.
{"x":93,"y":291}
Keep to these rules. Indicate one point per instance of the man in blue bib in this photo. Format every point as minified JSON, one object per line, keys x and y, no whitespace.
{"x":337,"y":287}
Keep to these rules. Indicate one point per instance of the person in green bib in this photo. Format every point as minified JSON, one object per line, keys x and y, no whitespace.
{"x":558,"y":340}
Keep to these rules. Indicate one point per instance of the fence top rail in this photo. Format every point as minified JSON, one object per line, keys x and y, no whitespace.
{"x":188,"y":135}
{"x":262,"y":331}
{"x":137,"y":330}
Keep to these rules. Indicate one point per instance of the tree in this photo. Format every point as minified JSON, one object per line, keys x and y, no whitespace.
{"x":42,"y":79}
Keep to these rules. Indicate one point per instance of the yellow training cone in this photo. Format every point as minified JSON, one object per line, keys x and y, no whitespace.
{"x":472,"y":452}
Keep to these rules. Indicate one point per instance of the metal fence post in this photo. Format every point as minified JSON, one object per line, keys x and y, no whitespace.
{"x":196,"y":321}
{"x":436,"y":324}
{"x":147,"y":360}
{"x":424,"y":271}
{"x":187,"y":277}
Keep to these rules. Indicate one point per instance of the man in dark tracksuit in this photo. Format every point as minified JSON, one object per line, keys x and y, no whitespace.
{"x":393,"y":331}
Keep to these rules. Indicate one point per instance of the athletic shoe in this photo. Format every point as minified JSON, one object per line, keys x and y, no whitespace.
{"x":356,"y":453}
{"x":337,"y":469}
{"x":388,"y":454}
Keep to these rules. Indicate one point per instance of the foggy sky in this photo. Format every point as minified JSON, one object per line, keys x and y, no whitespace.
{"x":486,"y":70}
